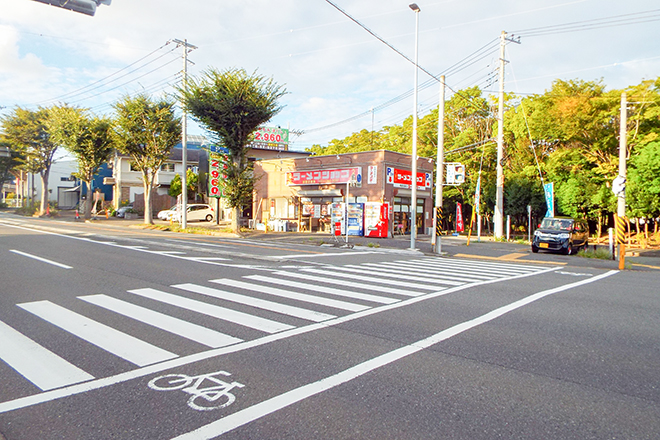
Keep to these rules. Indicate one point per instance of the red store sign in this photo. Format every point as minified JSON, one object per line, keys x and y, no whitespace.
{"x":403,"y":178}
{"x":321,"y":177}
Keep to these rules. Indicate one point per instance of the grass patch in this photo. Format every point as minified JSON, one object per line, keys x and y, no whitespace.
{"x":599,"y":253}
{"x":190,"y":230}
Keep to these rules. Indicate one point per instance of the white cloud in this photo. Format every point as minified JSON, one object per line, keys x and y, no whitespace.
{"x":332,"y":68}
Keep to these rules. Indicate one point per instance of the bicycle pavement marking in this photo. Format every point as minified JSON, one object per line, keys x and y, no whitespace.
{"x":48,"y":396}
{"x":262,"y":409}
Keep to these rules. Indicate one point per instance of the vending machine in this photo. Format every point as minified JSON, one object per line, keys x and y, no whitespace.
{"x":337,"y":213}
{"x":356,"y":219}
{"x":376,"y":216}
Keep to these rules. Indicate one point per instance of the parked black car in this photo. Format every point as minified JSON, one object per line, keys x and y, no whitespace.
{"x":561,"y":234}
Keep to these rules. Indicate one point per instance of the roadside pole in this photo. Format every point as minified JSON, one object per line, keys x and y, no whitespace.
{"x":621,"y":205}
{"x":440,"y":164}
{"x":184,"y":134}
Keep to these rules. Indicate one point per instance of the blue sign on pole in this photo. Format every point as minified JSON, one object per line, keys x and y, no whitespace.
{"x":549,"y":190}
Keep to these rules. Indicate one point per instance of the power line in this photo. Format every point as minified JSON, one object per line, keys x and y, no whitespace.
{"x":381,"y":39}
{"x":491,"y":47}
{"x":79,"y":91}
{"x":128,"y":82}
{"x":598,"y":23}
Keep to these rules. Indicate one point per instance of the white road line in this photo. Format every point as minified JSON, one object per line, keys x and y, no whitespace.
{"x":352,"y":275}
{"x":37,"y":364}
{"x":343,"y":305}
{"x":244,"y":319}
{"x":297,"y":312}
{"x":49,"y":396}
{"x":198,"y":243}
{"x":339,"y":254}
{"x":185,"y":329}
{"x":471,"y":269}
{"x":324,"y":289}
{"x":44,"y":260}
{"x":345,"y":283}
{"x":255,"y":412}
{"x":132,"y":248}
{"x":206,"y":259}
{"x":485,"y":264}
{"x":404,"y":275}
{"x":451,"y":274}
{"x":120,"y":344}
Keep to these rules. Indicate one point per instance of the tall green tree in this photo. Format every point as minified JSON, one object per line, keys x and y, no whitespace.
{"x":88,"y":138}
{"x":192,"y":179}
{"x":643,"y":189}
{"x":146,"y":129}
{"x":26,"y":131}
{"x":231,"y":105}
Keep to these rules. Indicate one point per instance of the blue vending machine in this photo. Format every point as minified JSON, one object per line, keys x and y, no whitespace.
{"x":356,"y":219}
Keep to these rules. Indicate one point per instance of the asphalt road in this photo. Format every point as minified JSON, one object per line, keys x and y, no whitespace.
{"x":115,"y":333}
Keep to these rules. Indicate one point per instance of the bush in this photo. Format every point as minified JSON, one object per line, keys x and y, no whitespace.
{"x":27,"y":210}
{"x":599,"y":253}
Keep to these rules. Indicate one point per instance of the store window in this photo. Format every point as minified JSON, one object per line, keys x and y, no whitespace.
{"x":402,"y":215}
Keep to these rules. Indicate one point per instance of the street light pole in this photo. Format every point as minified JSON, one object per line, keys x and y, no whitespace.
{"x":413,"y":180}
{"x":440,"y":164}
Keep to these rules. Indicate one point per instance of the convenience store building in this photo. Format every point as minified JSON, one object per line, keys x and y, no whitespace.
{"x":303,"y":194}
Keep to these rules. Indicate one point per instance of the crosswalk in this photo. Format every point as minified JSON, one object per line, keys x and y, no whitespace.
{"x":264,"y":303}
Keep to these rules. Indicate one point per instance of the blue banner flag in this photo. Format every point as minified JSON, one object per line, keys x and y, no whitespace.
{"x":549,"y":190}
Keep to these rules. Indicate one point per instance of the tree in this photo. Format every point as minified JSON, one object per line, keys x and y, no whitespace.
{"x":26,"y":131}
{"x":231,"y":105}
{"x":8,"y":164}
{"x":643,"y":189}
{"x":87,"y":137}
{"x":146,"y":130}
{"x":191,"y":182}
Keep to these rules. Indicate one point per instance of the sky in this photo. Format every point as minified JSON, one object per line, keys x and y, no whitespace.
{"x":339,"y":77}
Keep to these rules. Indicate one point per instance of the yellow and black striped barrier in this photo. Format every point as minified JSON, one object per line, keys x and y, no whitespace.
{"x":438,"y":221}
{"x":620,"y":230}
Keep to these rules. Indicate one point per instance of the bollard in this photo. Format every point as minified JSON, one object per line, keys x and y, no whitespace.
{"x":611,"y":237}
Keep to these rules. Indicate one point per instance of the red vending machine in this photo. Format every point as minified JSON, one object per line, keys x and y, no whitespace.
{"x":376,"y":219}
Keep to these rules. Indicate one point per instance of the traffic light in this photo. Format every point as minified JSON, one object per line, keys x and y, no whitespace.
{"x":459,"y":173}
{"x":455,"y":173}
{"x":87,"y":7}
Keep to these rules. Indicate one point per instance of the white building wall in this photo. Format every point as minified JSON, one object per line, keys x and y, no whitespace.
{"x":58,"y":170}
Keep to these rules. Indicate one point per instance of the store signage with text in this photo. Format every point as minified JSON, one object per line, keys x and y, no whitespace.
{"x":321,"y":177}
{"x":216,"y":175}
{"x":403,"y":178}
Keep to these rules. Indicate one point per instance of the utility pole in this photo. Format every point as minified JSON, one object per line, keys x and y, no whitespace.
{"x":439,"y":173}
{"x":413,"y":180}
{"x":498,"y":217}
{"x":623,"y":150}
{"x":184,"y":135}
